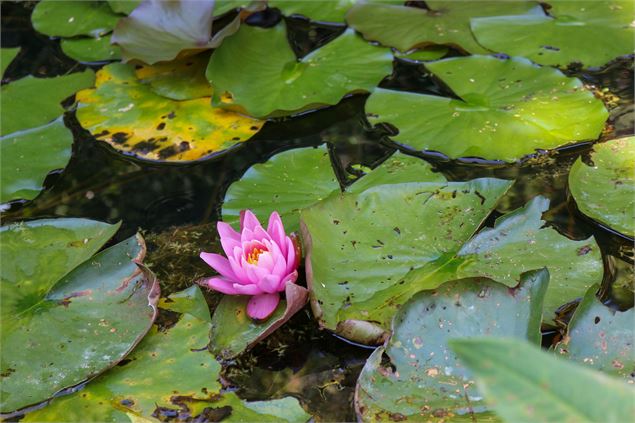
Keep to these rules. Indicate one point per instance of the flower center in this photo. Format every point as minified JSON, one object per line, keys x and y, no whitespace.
{"x":252,"y":258}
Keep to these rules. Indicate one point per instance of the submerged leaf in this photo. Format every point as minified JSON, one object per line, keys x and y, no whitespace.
{"x":523,"y":383}
{"x":159,"y":30}
{"x":8,"y":54}
{"x":507,"y":109}
{"x":131,"y":117}
{"x":601,"y":338}
{"x":271,"y":80}
{"x":426,"y":381}
{"x":62,"y":18}
{"x":572,"y":31}
{"x":67,"y":316}
{"x":26,"y":157}
{"x":445,"y":22}
{"x":31,"y":102}
{"x":605,"y":189}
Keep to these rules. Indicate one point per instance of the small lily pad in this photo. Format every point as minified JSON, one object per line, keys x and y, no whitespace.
{"x":604,"y":189}
{"x":71,"y":18}
{"x":423,"y":54}
{"x":123,"y":6}
{"x":601,"y":338}
{"x":131,"y":117}
{"x":272,"y":81}
{"x":523,"y":383}
{"x":286,"y":183}
{"x":445,"y":22}
{"x":26,"y":157}
{"x":507,"y":109}
{"x":30,"y":102}
{"x":573,"y":31}
{"x":426,"y":381}
{"x":181,"y":79}
{"x":90,"y":49}
{"x":8,"y":54}
{"x":234,"y":332}
{"x":158,"y":30}
{"x":66,"y":317}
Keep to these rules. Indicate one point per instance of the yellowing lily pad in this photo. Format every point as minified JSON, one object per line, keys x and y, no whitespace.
{"x":130,"y":116}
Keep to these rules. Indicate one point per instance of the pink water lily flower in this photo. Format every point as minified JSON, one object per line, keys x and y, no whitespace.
{"x":259,"y":263}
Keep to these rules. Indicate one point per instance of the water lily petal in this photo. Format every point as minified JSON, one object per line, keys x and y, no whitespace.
{"x":248,"y":220}
{"x":241,"y":275}
{"x":246,"y":235}
{"x":266,"y":261}
{"x":260,"y":234}
{"x":269,"y":283}
{"x":276,"y":231}
{"x":220,"y":264}
{"x":290,"y":278}
{"x":249,"y":270}
{"x":280,"y":266}
{"x":229,"y":238}
{"x":250,"y":289}
{"x":292,"y":258}
{"x":261,"y":306}
{"x":219,"y":284}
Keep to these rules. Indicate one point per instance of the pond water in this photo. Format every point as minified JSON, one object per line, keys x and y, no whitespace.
{"x":175,"y":206}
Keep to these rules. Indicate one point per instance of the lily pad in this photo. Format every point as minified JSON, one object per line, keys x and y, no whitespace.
{"x":71,"y":18}
{"x":423,"y":54}
{"x":605,"y":189}
{"x":368,"y":253}
{"x":573,"y":31}
{"x":286,"y":183}
{"x":123,"y":6}
{"x":26,"y":157}
{"x":507,"y":109}
{"x":90,"y":49}
{"x":30,"y":102}
{"x":8,"y":54}
{"x":445,"y":22}
{"x":234,"y":332}
{"x":601,"y":338}
{"x":169,"y":373}
{"x":523,"y":383}
{"x":425,"y":380}
{"x":317,"y":10}
{"x":181,"y":79}
{"x":189,"y":301}
{"x":159,"y":30}
{"x":131,"y":117}
{"x":67,"y":317}
{"x":273,"y":81}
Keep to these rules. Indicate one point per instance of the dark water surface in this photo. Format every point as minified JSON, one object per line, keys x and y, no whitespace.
{"x":176,"y":205}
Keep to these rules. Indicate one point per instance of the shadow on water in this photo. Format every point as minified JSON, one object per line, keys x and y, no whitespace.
{"x":182,"y":202}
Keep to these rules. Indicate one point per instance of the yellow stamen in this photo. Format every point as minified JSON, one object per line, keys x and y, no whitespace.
{"x":252,"y":258}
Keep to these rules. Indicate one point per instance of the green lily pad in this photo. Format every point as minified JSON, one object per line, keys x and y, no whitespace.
{"x":573,"y":31}
{"x":286,"y":183}
{"x":601,"y":338}
{"x":423,"y":54}
{"x":130,"y":116}
{"x":71,"y":18}
{"x":8,"y":54}
{"x":90,"y":49}
{"x":426,"y":381}
{"x":30,"y":102}
{"x":605,"y":190}
{"x":26,"y":157}
{"x":506,"y":110}
{"x":189,"y":301}
{"x":368,"y":253}
{"x":316,"y":10}
{"x":170,"y":372}
{"x":123,"y":6}
{"x":234,"y":332}
{"x":159,"y":30}
{"x":523,"y":383}
{"x":446,"y":22}
{"x":273,"y":81}
{"x":67,"y":317}
{"x":181,"y":79}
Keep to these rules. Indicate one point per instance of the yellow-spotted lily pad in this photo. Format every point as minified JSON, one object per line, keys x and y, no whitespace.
{"x":133,"y":118}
